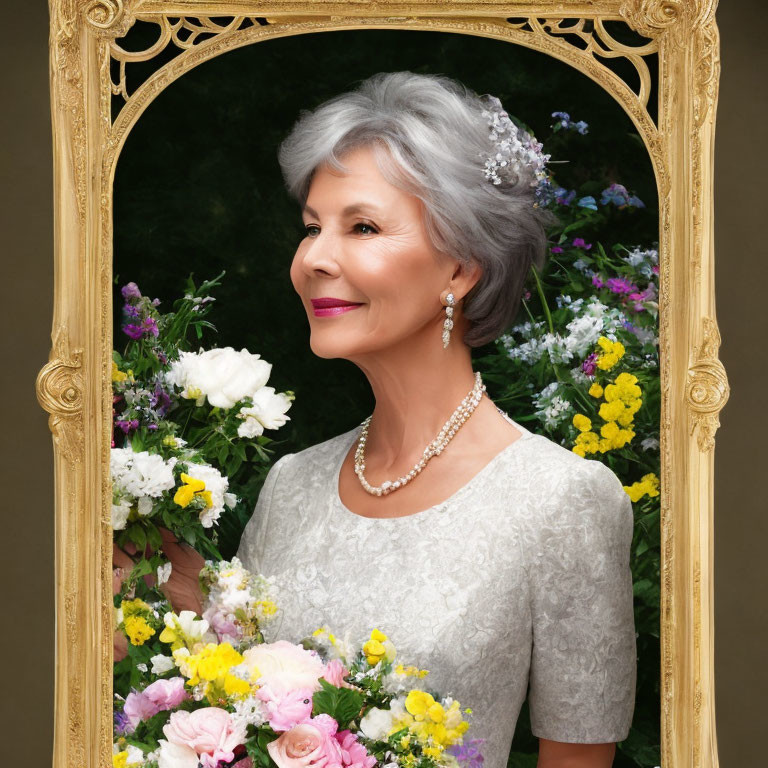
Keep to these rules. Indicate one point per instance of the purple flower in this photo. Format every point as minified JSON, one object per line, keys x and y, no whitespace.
{"x":160,"y":400}
{"x":556,"y":249}
{"x":130,"y":310}
{"x":155,"y":302}
{"x":122,"y":724}
{"x":587,"y":202}
{"x":127,"y":426}
{"x":564,"y":196}
{"x":581,"y":127}
{"x":134,"y":331}
{"x":620,"y":285}
{"x":131,"y":291}
{"x":655,"y":269}
{"x":578,"y":242}
{"x":589,"y":366}
{"x":149,"y":325}
{"x":596,"y":281}
{"x":468,"y":753}
{"x":618,"y":195}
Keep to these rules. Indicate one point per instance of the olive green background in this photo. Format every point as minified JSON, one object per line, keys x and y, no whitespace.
{"x":741,"y":576}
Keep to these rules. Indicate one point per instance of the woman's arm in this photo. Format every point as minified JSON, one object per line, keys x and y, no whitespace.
{"x":558,"y":754}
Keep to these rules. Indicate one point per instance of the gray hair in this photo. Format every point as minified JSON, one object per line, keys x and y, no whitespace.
{"x":437,"y":142}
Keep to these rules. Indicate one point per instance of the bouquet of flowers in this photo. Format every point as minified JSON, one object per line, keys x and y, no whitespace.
{"x":212,"y":694}
{"x":185,"y":424}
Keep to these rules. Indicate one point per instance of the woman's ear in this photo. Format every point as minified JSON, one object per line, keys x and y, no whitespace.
{"x":465,"y":276}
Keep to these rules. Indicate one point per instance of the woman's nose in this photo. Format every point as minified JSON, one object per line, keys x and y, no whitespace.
{"x":320,"y":255}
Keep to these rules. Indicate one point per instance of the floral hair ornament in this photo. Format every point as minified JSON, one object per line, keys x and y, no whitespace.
{"x":516,"y":152}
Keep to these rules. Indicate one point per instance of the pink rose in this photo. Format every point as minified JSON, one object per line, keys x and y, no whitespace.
{"x":284,"y":666}
{"x":156,"y":697}
{"x":286,"y":710}
{"x":166,"y":694}
{"x":308,"y":744}
{"x":334,"y":673}
{"x":138,"y":707}
{"x":353,"y":753}
{"x":209,"y":732}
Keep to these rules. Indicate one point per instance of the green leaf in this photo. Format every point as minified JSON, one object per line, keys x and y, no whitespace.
{"x":138,"y":536}
{"x":342,"y":704}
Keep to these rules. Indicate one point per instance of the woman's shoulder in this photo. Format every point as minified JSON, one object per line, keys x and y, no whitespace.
{"x":566,"y":486}
{"x":317,"y":460}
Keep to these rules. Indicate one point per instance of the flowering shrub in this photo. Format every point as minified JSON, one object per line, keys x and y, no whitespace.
{"x":582,"y":363}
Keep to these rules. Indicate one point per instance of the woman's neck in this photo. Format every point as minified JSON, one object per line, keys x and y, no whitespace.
{"x":415,"y":393}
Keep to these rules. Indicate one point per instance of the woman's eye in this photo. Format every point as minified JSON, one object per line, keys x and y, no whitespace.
{"x":369,"y":226}
{"x":309,"y":229}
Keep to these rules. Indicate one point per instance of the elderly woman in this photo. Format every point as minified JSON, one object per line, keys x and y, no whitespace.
{"x":491,"y":556}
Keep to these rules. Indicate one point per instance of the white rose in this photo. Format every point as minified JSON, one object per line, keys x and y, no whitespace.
{"x":223,"y":375}
{"x":267,"y":412}
{"x":376,"y":724}
{"x":283,"y":666}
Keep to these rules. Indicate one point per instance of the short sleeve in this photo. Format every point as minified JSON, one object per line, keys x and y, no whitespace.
{"x":252,"y":539}
{"x":584,"y":655}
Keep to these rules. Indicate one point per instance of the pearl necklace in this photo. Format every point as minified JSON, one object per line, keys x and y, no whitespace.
{"x":435,"y":448}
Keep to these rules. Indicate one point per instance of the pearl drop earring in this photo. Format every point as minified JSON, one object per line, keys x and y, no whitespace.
{"x":448,"y":322}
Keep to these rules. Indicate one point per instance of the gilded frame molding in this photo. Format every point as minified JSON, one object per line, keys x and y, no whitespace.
{"x":74,"y":387}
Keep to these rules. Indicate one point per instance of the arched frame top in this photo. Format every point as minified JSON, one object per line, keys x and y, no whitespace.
{"x":74,"y":387}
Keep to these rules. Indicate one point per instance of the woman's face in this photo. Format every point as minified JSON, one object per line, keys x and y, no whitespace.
{"x":366,"y":244}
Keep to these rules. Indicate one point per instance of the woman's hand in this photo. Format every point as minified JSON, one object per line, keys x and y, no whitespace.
{"x":121,"y":569}
{"x":183,"y":587}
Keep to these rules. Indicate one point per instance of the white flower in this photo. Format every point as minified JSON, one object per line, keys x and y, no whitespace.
{"x":162,"y":664}
{"x":135,"y":755}
{"x":649,"y":444}
{"x":120,"y":512}
{"x":141,"y":473}
{"x":172,"y":755}
{"x":223,"y":375}
{"x":584,"y":332}
{"x":164,"y":573}
{"x":141,"y":667}
{"x":191,"y":627}
{"x":217,"y":484}
{"x":376,"y":724}
{"x":267,"y":412}
{"x":284,"y":666}
{"x":145,"y":506}
{"x":248,"y":711}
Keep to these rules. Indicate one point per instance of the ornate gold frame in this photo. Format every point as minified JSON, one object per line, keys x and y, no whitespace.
{"x":75,"y":385}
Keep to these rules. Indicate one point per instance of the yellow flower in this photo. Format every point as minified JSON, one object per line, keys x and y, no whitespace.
{"x":596,"y":390}
{"x":118,"y":375}
{"x":649,"y":484}
{"x":378,"y":647}
{"x":582,"y":422}
{"x":120,"y":760}
{"x":418,"y":703}
{"x":612,"y":352}
{"x":190,"y":489}
{"x":137,"y":629}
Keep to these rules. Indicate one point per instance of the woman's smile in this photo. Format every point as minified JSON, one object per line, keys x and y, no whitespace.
{"x":328,"y":306}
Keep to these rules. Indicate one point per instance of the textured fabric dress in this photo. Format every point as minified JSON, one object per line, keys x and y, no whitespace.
{"x":519,"y":583}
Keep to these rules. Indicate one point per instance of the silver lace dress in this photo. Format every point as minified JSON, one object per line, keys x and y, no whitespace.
{"x":518,"y":584}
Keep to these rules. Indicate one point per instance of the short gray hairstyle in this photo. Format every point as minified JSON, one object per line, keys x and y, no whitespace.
{"x":437,"y":142}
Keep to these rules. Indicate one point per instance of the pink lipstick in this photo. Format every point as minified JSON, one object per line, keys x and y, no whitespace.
{"x":328,"y":305}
